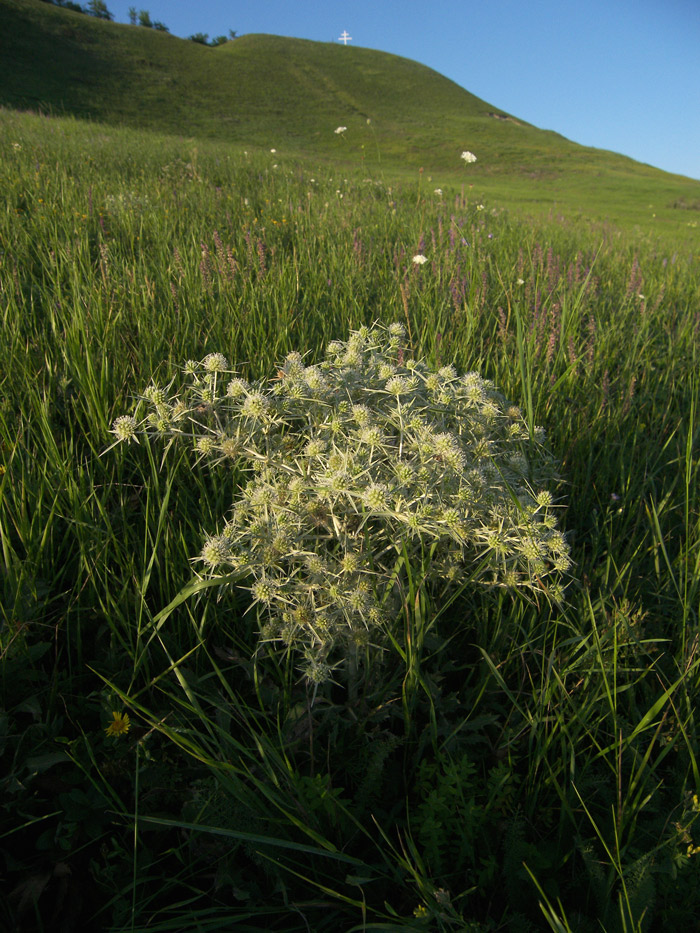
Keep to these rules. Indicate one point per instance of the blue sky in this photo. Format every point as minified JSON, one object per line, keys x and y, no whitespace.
{"x":622,"y":75}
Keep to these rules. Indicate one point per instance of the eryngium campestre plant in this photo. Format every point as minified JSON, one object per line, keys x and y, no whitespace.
{"x":359,"y":465}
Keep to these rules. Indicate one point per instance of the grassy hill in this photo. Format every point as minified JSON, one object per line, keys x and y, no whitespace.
{"x":259,"y":89}
{"x":291,"y":94}
{"x":493,"y":732}
{"x":491,"y":753}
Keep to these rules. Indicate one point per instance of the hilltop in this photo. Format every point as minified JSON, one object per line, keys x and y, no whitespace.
{"x":291,"y":94}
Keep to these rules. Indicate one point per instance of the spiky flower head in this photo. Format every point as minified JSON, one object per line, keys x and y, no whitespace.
{"x":315,"y":447}
{"x":264,"y":590}
{"x":255,"y":405}
{"x":216,"y":551}
{"x":397,"y":385}
{"x":230,"y":447}
{"x":350,"y":562}
{"x":205,"y":444}
{"x":215,"y":363}
{"x":372,"y":435}
{"x":314,"y":379}
{"x":361,"y":414}
{"x":125,"y":428}
{"x":237,"y":388}
{"x":155,"y":394}
{"x":376,"y":496}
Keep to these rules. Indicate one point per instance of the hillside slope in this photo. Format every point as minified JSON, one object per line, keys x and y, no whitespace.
{"x":291,"y":94}
{"x":251,"y":90}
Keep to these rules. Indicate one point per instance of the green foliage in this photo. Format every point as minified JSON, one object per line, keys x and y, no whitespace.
{"x":99,"y":9}
{"x":450,"y":819}
{"x":509,"y":763}
{"x":143,"y":18}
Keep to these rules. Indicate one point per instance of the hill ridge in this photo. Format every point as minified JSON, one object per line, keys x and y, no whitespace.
{"x":268,"y":91}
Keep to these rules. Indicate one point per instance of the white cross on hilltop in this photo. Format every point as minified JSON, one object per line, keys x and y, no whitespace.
{"x":345,"y":38}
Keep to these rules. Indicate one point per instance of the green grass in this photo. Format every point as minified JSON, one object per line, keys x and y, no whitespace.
{"x":261,"y":92}
{"x":509,"y":765}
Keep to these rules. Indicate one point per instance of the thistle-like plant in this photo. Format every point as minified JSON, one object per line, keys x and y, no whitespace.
{"x":359,"y":467}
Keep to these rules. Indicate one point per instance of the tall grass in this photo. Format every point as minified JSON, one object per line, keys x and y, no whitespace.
{"x":508,"y":765}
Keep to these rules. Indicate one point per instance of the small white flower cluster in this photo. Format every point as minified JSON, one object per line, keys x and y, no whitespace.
{"x":127,"y":201}
{"x":359,"y":466}
{"x":339,"y":130}
{"x":468,"y":156}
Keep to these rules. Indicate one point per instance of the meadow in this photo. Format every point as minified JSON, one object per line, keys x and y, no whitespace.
{"x":262,"y":91}
{"x":508,"y":762}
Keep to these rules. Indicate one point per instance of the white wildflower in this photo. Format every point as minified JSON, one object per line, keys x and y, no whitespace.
{"x":468,"y":156}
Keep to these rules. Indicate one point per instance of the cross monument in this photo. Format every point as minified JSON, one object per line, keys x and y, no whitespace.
{"x":345,"y":38}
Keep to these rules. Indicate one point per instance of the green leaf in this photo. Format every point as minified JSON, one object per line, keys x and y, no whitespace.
{"x":40,"y":763}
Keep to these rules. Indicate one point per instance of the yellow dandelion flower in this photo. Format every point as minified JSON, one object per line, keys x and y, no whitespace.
{"x":120,"y":725}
